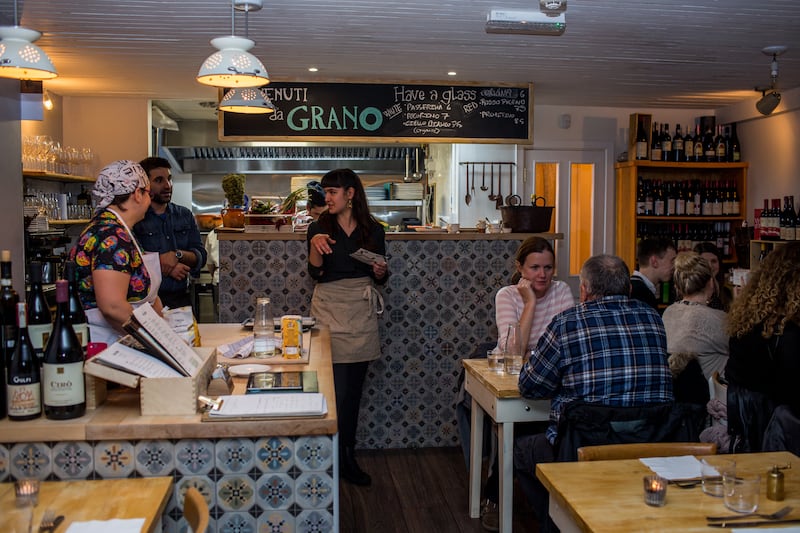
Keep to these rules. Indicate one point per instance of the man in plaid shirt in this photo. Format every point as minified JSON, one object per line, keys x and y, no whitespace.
{"x":609,"y":349}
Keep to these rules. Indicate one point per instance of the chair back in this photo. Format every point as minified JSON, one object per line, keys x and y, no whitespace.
{"x":644,"y":449}
{"x":195,"y":510}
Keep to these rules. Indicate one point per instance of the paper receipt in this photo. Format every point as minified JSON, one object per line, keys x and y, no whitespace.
{"x":365,"y":256}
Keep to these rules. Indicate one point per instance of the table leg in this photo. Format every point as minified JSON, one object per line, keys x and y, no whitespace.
{"x":475,"y":459}
{"x":505,"y":447}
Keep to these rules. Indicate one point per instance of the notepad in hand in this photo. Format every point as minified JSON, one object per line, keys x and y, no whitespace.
{"x":291,"y":404}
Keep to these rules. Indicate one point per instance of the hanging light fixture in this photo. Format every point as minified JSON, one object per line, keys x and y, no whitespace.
{"x":770,"y":97}
{"x":249,"y":100}
{"x":232,"y":65}
{"x":19,"y":57}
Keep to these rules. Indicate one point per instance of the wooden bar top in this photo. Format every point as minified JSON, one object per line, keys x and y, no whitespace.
{"x":119,"y":417}
{"x":84,"y":500}
{"x":607,"y":496}
{"x":464,"y":235}
{"x":502,"y":385}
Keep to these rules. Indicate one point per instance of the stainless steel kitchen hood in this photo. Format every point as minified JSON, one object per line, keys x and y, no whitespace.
{"x":371,"y":160}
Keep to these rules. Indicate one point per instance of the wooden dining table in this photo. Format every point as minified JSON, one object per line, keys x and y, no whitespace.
{"x":84,"y":500}
{"x":607,"y":496}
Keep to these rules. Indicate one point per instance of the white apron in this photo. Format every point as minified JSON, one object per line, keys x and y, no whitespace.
{"x":350,"y":308}
{"x":99,"y":328}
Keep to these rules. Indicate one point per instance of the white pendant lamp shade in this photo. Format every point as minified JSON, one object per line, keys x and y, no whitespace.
{"x":248,"y":100}
{"x":20,"y":58}
{"x":233,"y":65}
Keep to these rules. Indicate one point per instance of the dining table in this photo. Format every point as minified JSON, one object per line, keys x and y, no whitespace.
{"x":86,"y":500}
{"x":608,"y":496}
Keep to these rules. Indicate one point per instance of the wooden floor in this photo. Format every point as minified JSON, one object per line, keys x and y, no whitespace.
{"x":417,"y":491}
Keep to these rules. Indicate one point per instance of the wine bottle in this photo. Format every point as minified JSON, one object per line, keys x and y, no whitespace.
{"x":24,"y":378}
{"x":709,"y":147}
{"x":688,"y":146}
{"x":689,"y":196}
{"x":677,"y":145}
{"x":655,"y":144}
{"x":680,"y":199}
{"x":666,"y":144}
{"x":736,"y":148}
{"x":62,"y":371}
{"x":40,"y":321}
{"x":659,"y":204}
{"x":640,"y":197}
{"x":8,"y":308}
{"x":699,"y":154}
{"x":787,"y":221}
{"x":77,"y":316}
{"x":641,"y":141}
{"x":721,"y":148}
{"x":649,"y":200}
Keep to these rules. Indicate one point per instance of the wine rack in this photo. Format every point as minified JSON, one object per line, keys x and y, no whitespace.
{"x":629,"y":221}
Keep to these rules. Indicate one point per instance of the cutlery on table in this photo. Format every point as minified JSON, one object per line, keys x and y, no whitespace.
{"x":50,"y":521}
{"x":754,"y":524}
{"x":780,"y":513}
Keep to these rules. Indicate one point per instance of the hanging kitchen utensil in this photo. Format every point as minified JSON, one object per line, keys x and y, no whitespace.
{"x":473,"y":179}
{"x":499,"y":198}
{"x":492,"y":195}
{"x":416,"y":176}
{"x":407,"y":178}
{"x":468,"y":197}
{"x":483,"y":179}
{"x":510,"y":182}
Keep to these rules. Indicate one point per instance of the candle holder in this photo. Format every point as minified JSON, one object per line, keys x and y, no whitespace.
{"x":27,"y":492}
{"x":655,"y":490}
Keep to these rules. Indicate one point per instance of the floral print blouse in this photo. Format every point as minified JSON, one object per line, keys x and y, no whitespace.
{"x":105,"y":244}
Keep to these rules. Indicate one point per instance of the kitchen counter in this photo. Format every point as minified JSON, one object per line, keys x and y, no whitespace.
{"x":438,"y":308}
{"x":263,"y":475}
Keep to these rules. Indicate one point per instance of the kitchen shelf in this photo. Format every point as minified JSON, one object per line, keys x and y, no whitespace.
{"x":54,"y":176}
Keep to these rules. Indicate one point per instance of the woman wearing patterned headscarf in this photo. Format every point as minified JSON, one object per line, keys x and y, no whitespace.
{"x":114,"y":274}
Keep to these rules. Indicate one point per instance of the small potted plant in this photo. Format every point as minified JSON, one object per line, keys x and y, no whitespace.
{"x":233,"y":212}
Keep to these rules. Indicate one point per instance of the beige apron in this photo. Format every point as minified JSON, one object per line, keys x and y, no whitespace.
{"x":99,"y":328}
{"x":350,"y":308}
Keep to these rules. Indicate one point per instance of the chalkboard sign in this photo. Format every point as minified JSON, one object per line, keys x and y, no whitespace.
{"x":400,"y":112}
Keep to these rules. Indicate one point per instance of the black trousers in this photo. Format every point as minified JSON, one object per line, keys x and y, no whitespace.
{"x":348,"y":379}
{"x":175,"y":299}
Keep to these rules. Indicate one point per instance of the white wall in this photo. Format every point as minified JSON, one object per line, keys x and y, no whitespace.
{"x":11,"y":180}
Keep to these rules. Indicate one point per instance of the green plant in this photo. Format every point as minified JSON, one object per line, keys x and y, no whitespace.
{"x":233,"y":186}
{"x":289,"y":203}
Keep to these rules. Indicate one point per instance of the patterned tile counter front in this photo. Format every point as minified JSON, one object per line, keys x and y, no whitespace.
{"x":439,"y":306}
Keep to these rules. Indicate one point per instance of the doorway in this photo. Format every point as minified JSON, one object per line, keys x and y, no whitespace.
{"x":576,"y":182}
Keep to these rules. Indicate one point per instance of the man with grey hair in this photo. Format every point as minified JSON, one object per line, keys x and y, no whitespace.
{"x":609,"y":350}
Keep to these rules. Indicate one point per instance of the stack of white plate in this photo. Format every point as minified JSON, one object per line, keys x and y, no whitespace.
{"x":375,"y":192}
{"x":407,"y":191}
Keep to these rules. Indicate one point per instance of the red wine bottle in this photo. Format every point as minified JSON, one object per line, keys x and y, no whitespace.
{"x":76,"y":313}
{"x":24,"y":378}
{"x":62,"y":370}
{"x":40,"y":321}
{"x":8,"y":323}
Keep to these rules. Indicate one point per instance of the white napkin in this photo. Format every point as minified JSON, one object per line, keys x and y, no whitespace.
{"x":117,"y":525}
{"x":794,"y":529}
{"x":238,"y":349}
{"x":683,"y":467}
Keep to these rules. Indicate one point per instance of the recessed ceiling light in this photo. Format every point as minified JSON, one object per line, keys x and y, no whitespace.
{"x":452,"y":73}
{"x":313,"y":69}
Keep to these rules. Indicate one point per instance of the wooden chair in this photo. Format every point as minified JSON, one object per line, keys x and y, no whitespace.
{"x":644,"y":449}
{"x":195,"y":510}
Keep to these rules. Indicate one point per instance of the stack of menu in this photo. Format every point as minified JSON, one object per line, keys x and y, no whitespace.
{"x":287,"y":405}
{"x":151,"y":350}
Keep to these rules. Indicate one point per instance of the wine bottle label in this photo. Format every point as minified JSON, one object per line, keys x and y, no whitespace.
{"x":39,"y":334}
{"x":24,"y":399}
{"x":641,"y":150}
{"x":63,"y":384}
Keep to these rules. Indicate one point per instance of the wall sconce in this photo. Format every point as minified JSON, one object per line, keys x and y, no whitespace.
{"x":47,"y":102}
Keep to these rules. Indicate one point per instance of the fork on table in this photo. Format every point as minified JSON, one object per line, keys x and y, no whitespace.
{"x":50,"y":521}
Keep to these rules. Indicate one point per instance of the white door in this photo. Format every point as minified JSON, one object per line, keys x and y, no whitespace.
{"x":584,"y":202}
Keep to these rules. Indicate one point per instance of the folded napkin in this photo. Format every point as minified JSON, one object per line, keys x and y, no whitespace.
{"x":683,"y":467}
{"x":238,"y":349}
{"x":117,"y":525}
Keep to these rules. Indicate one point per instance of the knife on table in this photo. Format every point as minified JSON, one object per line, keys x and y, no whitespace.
{"x":740,"y":524}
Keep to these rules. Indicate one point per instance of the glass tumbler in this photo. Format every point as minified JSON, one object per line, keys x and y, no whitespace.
{"x":263,"y":330}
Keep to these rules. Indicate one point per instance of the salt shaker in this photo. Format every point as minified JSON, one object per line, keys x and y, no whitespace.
{"x":263,"y":330}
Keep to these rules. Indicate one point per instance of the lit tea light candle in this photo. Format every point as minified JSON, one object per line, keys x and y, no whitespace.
{"x":27,"y":492}
{"x":655,"y":490}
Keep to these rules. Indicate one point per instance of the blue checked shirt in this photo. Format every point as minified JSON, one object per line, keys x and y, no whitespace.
{"x":611,"y":351}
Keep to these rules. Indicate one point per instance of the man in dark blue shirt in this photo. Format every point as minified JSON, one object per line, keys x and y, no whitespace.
{"x":170,"y":230}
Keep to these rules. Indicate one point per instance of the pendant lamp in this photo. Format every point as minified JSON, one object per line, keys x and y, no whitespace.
{"x":232,"y":65}
{"x":19,"y":57}
{"x":249,"y":100}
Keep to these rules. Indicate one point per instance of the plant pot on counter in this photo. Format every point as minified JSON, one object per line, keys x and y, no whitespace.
{"x":527,"y":218}
{"x":233,"y":217}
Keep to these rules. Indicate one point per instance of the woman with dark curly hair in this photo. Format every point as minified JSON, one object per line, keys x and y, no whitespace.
{"x":764,"y":324}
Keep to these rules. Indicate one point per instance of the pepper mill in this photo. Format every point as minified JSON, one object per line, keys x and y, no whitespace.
{"x":775,"y":484}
